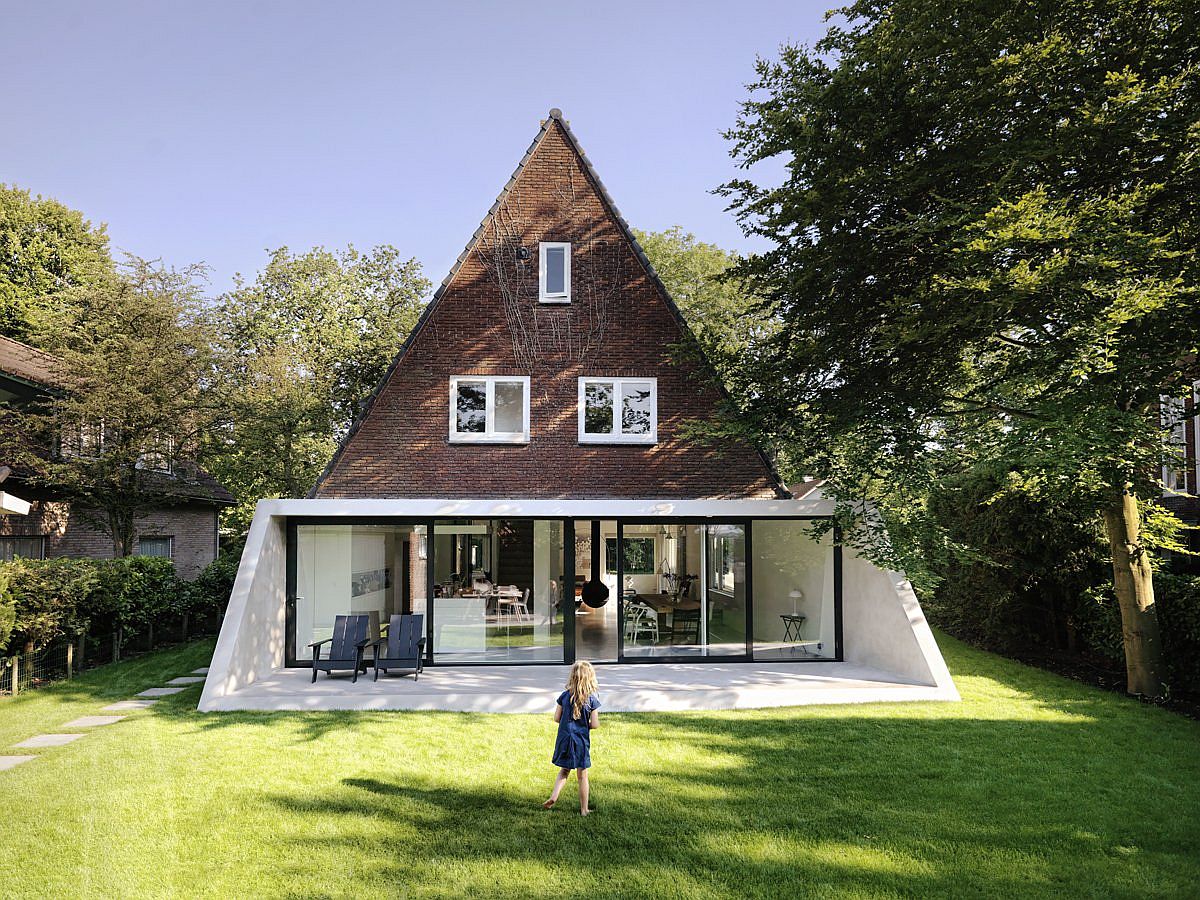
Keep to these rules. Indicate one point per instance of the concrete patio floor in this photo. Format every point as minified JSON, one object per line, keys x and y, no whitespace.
{"x":636,"y":688}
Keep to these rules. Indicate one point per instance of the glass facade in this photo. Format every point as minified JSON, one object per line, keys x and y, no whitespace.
{"x":793,"y":576}
{"x":377,"y":570}
{"x":553,"y":590}
{"x":497,"y":594}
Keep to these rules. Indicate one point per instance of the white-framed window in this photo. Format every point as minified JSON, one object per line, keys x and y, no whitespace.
{"x":156,"y":546}
{"x":489,"y":409}
{"x":618,"y":410}
{"x":1173,"y":417}
{"x":554,"y":272}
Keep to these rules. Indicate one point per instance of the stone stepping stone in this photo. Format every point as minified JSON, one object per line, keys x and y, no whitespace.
{"x":203,"y":670}
{"x":49,"y":740}
{"x":8,"y":762}
{"x":130,"y":704}
{"x":187,"y":679}
{"x":160,"y":692}
{"x":93,"y":721}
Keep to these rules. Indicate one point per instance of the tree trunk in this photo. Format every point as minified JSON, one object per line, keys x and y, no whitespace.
{"x":1134,"y":585}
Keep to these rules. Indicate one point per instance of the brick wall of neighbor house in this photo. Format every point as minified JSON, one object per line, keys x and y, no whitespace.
{"x":193,"y":527}
{"x":488,"y":321}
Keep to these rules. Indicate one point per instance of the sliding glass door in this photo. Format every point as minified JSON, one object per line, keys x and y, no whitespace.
{"x":684,"y":590}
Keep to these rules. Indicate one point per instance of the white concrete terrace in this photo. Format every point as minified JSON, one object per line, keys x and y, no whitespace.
{"x":660,"y":687}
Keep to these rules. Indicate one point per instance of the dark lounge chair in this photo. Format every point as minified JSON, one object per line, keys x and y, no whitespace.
{"x":403,"y":647}
{"x":345,"y":647}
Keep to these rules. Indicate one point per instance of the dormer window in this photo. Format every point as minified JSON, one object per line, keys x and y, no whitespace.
{"x":554,"y":272}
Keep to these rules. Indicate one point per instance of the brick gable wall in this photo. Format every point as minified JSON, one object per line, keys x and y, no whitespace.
{"x":487,"y":321}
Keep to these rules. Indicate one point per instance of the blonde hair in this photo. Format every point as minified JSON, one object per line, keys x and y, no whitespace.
{"x":581,"y":683}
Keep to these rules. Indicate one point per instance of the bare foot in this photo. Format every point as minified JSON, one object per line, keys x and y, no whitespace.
{"x":549,"y":804}
{"x":584,"y":812}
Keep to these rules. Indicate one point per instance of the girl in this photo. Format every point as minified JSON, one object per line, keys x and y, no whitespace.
{"x":577,"y":712}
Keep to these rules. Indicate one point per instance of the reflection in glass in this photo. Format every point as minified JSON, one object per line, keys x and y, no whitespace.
{"x":471,"y":406}
{"x":510,"y":407}
{"x":793,"y":592}
{"x":691,"y":598}
{"x":497,"y":590}
{"x":556,"y":281}
{"x":373,"y":570}
{"x":598,"y":408}
{"x":635,"y":408}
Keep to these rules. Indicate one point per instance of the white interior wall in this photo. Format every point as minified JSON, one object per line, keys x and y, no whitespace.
{"x":787,"y":559}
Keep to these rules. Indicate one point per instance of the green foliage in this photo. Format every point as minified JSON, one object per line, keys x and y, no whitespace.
{"x":1011,"y":569}
{"x":982,"y":247}
{"x":45,"y":248}
{"x":302,"y":347}
{"x":133,"y":592}
{"x":51,"y":597}
{"x":720,"y":310}
{"x":8,"y":607}
{"x":137,"y":355}
{"x":209,"y":592}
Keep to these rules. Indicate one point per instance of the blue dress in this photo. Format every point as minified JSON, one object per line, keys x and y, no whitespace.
{"x":572,"y":748}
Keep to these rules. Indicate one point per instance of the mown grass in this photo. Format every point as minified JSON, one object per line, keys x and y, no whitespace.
{"x":1032,"y":786}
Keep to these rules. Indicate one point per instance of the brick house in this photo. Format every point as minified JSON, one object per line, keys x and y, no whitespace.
{"x":184,"y":530}
{"x":529,"y":477}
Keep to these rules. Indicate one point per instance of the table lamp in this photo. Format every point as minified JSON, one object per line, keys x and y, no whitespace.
{"x":796,"y":595}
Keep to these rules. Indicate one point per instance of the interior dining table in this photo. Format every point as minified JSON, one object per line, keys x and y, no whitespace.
{"x":665,"y":605}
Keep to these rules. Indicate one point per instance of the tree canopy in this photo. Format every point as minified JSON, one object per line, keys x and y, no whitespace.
{"x":45,"y":248}
{"x":983,"y":247}
{"x":301,"y":347}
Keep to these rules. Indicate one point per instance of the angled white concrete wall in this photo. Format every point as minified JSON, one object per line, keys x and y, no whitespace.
{"x":883,"y":626}
{"x":251,"y":643}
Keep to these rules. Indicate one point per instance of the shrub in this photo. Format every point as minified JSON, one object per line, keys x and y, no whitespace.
{"x":50,"y":599}
{"x":8,"y":606}
{"x":209,"y":593}
{"x":1178,"y":600}
{"x":133,"y":592}
{"x":1014,"y":570}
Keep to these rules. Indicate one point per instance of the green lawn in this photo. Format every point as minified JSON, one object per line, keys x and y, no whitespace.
{"x":1033,"y":786}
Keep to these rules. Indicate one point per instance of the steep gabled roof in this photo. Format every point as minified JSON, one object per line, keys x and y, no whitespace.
{"x":555,"y":117}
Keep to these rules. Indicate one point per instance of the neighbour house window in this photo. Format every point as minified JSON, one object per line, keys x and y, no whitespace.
{"x":33,"y":547}
{"x":491,"y":409}
{"x":618,"y":410}
{"x":1173,"y":418}
{"x":85,"y":441}
{"x":156,"y":457}
{"x":156,"y":546}
{"x":554,"y":272}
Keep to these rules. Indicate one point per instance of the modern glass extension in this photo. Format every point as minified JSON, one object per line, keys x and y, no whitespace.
{"x":525,"y":590}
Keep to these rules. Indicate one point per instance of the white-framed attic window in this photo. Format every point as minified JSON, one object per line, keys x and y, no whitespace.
{"x":618,"y":410}
{"x":489,"y":409}
{"x":554,"y":272}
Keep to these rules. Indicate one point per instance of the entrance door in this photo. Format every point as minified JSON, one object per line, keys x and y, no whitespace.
{"x":596,"y":591}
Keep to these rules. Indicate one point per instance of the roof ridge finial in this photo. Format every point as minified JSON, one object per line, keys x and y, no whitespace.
{"x":556,"y":113}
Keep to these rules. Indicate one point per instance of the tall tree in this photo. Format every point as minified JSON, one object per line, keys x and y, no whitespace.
{"x":303,"y":345}
{"x":45,"y":248}
{"x":984,"y":247}
{"x":720,"y":309}
{"x":135,"y":356}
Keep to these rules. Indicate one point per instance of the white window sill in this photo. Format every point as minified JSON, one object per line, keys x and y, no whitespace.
{"x":489,"y":439}
{"x":554,"y":301}
{"x":618,"y":441}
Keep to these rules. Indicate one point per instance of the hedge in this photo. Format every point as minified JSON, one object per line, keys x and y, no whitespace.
{"x":49,"y":599}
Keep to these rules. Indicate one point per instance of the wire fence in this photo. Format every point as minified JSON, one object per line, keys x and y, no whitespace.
{"x":36,"y":668}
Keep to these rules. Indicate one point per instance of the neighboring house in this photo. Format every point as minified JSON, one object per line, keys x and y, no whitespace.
{"x":1181,"y":476}
{"x":529,"y":475}
{"x":184,"y":530}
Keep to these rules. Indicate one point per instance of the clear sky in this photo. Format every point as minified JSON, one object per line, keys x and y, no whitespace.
{"x":213,"y":131}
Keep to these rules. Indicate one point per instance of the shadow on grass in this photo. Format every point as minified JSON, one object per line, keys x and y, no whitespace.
{"x":906,"y":806}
